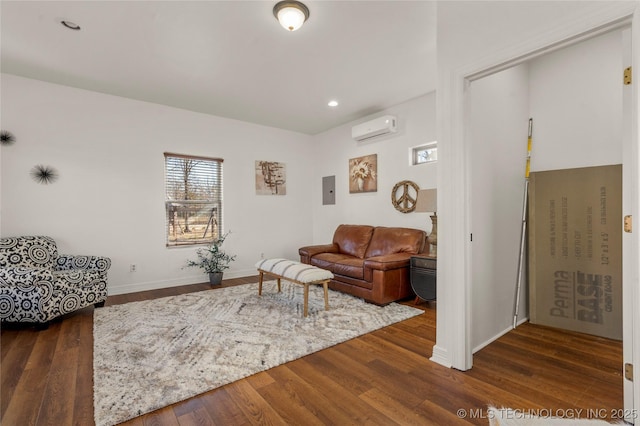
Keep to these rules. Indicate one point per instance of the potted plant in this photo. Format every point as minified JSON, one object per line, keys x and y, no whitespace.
{"x":213,"y":260}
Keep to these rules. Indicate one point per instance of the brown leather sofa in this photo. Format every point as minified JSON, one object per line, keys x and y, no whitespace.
{"x":368,"y":262}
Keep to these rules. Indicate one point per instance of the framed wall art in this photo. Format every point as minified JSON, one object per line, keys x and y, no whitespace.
{"x":363,"y":174}
{"x":271,"y":178}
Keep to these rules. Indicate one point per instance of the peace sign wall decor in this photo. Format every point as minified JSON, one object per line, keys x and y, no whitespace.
{"x":404,"y":196}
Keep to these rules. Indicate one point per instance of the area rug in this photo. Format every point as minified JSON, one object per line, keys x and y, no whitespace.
{"x":548,"y":417}
{"x":151,"y":354}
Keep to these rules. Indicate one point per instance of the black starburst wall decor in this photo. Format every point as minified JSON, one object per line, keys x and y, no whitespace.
{"x":44,"y":174}
{"x":6,"y":137}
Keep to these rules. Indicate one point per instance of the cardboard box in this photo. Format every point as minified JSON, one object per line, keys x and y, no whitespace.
{"x":575,"y":249}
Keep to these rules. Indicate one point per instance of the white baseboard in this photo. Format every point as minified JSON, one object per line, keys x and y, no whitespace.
{"x":155,"y":285}
{"x":241,"y":273}
{"x":440,"y":356}
{"x":497,"y":336}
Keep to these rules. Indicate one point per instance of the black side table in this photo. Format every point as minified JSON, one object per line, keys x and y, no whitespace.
{"x":423,"y":276}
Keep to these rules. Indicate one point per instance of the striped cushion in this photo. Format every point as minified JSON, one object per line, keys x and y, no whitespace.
{"x":294,"y":270}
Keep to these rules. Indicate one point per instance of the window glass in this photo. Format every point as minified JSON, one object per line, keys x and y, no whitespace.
{"x":426,"y":153}
{"x":193,"y":201}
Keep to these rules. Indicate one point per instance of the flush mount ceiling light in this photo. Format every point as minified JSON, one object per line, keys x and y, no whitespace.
{"x":333,"y":103}
{"x":291,"y":14}
{"x":71,"y":25}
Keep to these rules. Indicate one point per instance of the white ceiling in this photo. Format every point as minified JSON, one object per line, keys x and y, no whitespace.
{"x":231,"y":58}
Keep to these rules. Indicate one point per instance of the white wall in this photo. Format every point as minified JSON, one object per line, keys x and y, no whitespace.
{"x":574,"y":96}
{"x":109,"y":198}
{"x":499,"y":113}
{"x":332,"y":151}
{"x":472,"y":38}
{"x":576,"y":103}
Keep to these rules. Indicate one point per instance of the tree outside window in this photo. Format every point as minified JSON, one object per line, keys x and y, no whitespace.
{"x":193,"y":201}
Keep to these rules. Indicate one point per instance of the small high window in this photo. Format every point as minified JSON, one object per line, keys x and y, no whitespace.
{"x":426,"y":153}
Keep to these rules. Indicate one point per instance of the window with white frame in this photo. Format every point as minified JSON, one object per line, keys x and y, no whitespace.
{"x":193,"y":199}
{"x":426,"y":153}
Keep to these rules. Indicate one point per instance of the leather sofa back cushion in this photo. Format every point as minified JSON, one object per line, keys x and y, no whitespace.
{"x":353,"y":239}
{"x":395,"y":240}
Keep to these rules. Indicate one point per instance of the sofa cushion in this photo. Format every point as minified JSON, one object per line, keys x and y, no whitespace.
{"x":351,"y":267}
{"x":28,"y":252}
{"x":327,"y":260}
{"x":395,"y":240}
{"x":353,"y":239}
{"x":340,"y":264}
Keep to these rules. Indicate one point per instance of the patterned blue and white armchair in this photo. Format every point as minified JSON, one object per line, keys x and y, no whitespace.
{"x":37,"y":284}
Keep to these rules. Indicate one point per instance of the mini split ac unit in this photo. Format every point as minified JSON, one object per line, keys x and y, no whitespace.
{"x":377,"y":127}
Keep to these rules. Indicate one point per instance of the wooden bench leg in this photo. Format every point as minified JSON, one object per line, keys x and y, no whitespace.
{"x":325,"y":285}
{"x":306,"y":299}
{"x":326,"y":295}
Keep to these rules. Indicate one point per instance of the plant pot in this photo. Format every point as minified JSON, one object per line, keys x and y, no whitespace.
{"x":215,"y":278}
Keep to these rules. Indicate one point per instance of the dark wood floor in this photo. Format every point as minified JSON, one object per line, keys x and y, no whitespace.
{"x":381,"y":378}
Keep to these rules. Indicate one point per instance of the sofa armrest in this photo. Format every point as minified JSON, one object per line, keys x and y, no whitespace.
{"x":24,"y":277}
{"x":306,"y":253}
{"x":387,"y":262}
{"x":66,"y":262}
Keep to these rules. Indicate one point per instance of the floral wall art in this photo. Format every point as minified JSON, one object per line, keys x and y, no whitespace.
{"x":363,"y":174}
{"x":271,"y":178}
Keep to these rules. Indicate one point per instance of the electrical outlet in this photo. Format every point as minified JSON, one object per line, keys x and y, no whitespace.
{"x":261,"y":255}
{"x":132,"y":267}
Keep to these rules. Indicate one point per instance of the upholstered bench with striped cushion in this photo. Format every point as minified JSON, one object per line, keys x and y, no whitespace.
{"x":298,"y":273}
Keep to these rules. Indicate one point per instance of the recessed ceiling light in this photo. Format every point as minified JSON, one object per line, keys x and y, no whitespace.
{"x":333,"y":103}
{"x":71,"y":25}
